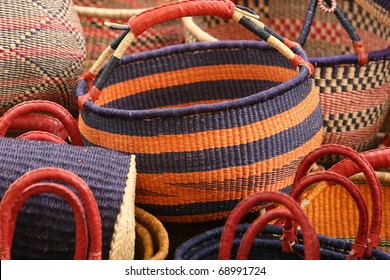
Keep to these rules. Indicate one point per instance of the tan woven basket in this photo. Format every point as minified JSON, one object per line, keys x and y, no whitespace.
{"x":93,"y":14}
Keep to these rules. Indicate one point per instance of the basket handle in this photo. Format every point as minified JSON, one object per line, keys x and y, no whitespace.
{"x":362,"y":165}
{"x":53,"y":188}
{"x":246,"y":205}
{"x":67,"y":177}
{"x":42,"y":106}
{"x":310,"y":239}
{"x":150,"y":17}
{"x":359,"y":246}
{"x":358,"y":44}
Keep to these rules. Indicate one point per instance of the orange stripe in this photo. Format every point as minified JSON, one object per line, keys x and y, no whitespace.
{"x":163,"y":183}
{"x":206,"y":139}
{"x":194,"y":75}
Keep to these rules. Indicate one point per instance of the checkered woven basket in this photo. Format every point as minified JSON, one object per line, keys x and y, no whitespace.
{"x":355,"y":99}
{"x":210,"y":123}
{"x":93,"y":14}
{"x":42,"y":52}
{"x":45,"y":227}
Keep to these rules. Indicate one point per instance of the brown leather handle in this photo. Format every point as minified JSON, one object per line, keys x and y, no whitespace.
{"x":49,"y":107}
{"x":310,"y":239}
{"x":359,"y":247}
{"x":144,"y":20}
{"x":246,"y":205}
{"x":39,"y":123}
{"x":57,"y":189}
{"x":58,"y":174}
{"x":363,"y":165}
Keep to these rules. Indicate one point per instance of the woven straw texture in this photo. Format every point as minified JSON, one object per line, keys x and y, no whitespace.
{"x":210,"y":123}
{"x":42,"y":52}
{"x":267,"y":246}
{"x":45,"y":225}
{"x":355,"y":100}
{"x":98,"y":36}
{"x":334,"y":214}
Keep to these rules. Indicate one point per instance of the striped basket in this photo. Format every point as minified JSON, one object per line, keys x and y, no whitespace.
{"x":93,"y":14}
{"x":42,"y":52}
{"x":355,"y":99}
{"x":210,"y":123}
{"x":325,"y":204}
{"x":45,"y":226}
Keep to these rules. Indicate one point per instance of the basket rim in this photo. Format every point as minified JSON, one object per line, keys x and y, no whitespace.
{"x":259,"y":97}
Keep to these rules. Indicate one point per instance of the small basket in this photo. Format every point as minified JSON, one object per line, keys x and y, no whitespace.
{"x":210,"y":123}
{"x":355,"y":98}
{"x":93,"y":14}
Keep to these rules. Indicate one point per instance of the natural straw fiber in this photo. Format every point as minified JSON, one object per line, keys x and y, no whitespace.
{"x":45,"y":225}
{"x":93,"y":14}
{"x":42,"y":52}
{"x":210,"y":123}
{"x":355,"y":99}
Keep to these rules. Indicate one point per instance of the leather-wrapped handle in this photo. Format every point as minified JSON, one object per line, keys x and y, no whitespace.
{"x":310,"y":239}
{"x":34,"y":106}
{"x":36,"y":122}
{"x":67,"y":177}
{"x":144,"y":20}
{"x":364,"y":166}
{"x":41,"y":136}
{"x":71,"y":198}
{"x":246,"y":205}
{"x":358,"y":247}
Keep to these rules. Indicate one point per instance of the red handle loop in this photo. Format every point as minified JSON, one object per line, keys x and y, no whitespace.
{"x":359,"y":247}
{"x":143,"y":21}
{"x":42,"y":136}
{"x":39,"y":123}
{"x":58,"y":174}
{"x":57,"y":189}
{"x":245,"y":206}
{"x":35,"y":106}
{"x":310,"y":239}
{"x":362,"y":165}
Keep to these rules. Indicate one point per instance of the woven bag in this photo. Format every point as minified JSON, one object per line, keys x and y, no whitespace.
{"x":42,"y":52}
{"x":324,"y":196}
{"x":45,"y":225}
{"x":276,"y":242}
{"x":210,"y":123}
{"x":355,"y":99}
{"x":151,"y":241}
{"x":93,"y":14}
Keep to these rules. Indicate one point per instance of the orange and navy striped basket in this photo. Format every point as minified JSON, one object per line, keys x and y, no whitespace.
{"x":355,"y":96}
{"x":210,"y":123}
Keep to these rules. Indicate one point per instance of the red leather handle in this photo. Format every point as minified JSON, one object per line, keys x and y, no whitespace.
{"x":57,"y":189}
{"x":143,"y":21}
{"x":42,"y":136}
{"x":85,"y":193}
{"x":35,"y":106}
{"x":310,"y":239}
{"x":245,"y":206}
{"x":39,"y":123}
{"x":358,"y":247}
{"x":373,"y":237}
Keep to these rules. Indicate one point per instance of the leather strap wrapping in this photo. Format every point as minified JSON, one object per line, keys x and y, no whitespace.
{"x":170,"y":11}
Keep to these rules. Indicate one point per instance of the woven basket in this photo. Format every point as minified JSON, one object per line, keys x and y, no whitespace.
{"x":355,"y":99}
{"x":210,"y":123}
{"x":45,"y":226}
{"x":93,"y":14}
{"x":152,"y":242}
{"x":42,"y":52}
{"x":326,"y":203}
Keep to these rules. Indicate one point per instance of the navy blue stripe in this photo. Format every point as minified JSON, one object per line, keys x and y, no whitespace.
{"x":210,"y":90}
{"x":173,"y":58}
{"x":198,"y":122}
{"x":238,"y":155}
{"x":199,"y":208}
